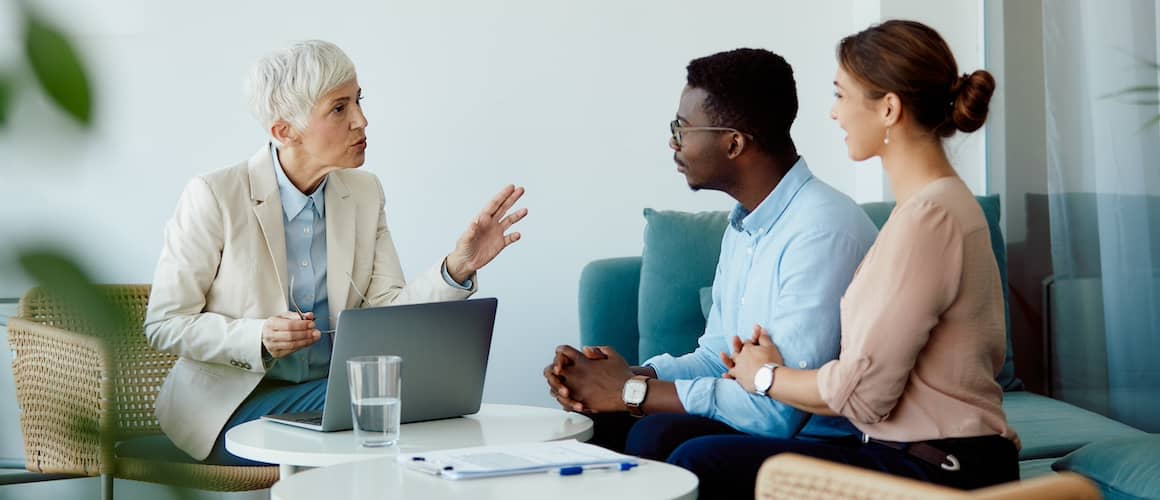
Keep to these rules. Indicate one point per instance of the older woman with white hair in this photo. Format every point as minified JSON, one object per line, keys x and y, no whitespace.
{"x":260,"y":257}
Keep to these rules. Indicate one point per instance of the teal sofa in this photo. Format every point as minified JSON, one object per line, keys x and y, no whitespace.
{"x":657,"y":303}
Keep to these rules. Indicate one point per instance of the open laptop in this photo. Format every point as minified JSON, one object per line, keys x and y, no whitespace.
{"x":444,"y":346}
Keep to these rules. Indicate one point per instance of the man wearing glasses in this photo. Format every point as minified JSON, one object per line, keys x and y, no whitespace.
{"x":788,"y":253}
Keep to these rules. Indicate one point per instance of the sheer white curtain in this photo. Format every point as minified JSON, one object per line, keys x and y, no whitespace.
{"x":1104,"y":194}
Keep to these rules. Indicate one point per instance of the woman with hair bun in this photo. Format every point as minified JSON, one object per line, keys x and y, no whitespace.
{"x":922,"y":320}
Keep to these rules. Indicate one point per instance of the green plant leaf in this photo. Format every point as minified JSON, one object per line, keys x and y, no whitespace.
{"x":67,"y":283}
{"x":1151,"y":123}
{"x":57,"y":68}
{"x":5,"y":98}
{"x":1139,"y":89}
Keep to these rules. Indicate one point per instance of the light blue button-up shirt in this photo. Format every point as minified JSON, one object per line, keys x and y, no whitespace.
{"x":784,"y":266}
{"x":304,"y":221}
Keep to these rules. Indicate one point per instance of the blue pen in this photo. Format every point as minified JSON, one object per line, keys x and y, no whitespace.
{"x":579,"y":469}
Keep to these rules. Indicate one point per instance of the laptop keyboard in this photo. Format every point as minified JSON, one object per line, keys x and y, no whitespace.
{"x":307,"y":419}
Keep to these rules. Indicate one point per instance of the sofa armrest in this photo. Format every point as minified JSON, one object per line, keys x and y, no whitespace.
{"x":608,"y":305}
{"x":63,"y":388}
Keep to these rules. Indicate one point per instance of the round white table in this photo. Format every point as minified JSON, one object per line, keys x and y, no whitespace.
{"x":293,"y":448}
{"x":385,"y":478}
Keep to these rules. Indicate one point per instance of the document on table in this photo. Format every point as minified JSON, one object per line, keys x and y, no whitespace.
{"x":488,"y":461}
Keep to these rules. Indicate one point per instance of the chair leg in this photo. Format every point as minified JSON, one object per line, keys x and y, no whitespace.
{"x":106,"y":487}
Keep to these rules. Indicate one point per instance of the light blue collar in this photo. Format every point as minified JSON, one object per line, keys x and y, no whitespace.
{"x":762,"y":218}
{"x":293,"y":200}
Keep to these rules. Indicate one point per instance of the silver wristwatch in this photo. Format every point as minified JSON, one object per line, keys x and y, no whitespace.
{"x":634,"y":391}
{"x":763,"y":379}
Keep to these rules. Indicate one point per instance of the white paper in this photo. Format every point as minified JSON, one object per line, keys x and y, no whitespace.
{"x":487,"y":461}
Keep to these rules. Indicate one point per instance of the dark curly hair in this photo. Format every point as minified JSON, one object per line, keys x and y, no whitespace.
{"x":751,"y":90}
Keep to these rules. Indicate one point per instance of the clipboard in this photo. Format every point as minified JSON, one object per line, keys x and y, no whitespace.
{"x":507,"y":460}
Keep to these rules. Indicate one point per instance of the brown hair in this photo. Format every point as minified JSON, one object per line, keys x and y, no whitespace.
{"x":911,"y":60}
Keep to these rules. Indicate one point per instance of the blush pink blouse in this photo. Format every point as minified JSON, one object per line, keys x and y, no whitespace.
{"x":923,"y":326}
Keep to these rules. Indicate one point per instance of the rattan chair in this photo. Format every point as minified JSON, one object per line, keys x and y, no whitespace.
{"x":81,"y":393}
{"x":789,"y":476}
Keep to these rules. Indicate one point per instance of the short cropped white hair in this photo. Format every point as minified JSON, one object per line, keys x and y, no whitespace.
{"x":285,"y":84}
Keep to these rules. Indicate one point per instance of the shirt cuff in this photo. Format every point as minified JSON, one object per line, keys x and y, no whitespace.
{"x":698,"y":396}
{"x":466,"y":285}
{"x":661,"y":364}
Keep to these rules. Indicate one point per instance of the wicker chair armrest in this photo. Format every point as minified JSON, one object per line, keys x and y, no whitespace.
{"x":63,"y":388}
{"x":790,"y":476}
{"x":794,"y":476}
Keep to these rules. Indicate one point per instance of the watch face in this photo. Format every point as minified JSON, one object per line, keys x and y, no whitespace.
{"x":634,"y":391}
{"x":763,"y":378}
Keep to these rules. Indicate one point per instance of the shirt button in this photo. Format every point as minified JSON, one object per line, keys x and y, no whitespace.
{"x":749,"y":250}
{"x":306,"y":230}
{"x":742,"y":300}
{"x":802,"y":364}
{"x":305,"y":263}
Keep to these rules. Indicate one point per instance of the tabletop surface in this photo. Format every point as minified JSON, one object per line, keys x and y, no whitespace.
{"x":495,"y":424}
{"x":385,"y":478}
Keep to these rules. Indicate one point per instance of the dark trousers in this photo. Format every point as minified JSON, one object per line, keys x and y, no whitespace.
{"x":270,"y":397}
{"x":653,"y":437}
{"x":727,"y":465}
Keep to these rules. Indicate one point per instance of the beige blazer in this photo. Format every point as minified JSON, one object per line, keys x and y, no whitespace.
{"x":222,"y":272}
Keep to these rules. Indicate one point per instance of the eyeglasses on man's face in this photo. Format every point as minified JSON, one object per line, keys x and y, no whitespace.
{"x":679,"y":130}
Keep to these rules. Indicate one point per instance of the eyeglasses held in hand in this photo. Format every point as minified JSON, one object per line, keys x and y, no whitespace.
{"x":333,"y":320}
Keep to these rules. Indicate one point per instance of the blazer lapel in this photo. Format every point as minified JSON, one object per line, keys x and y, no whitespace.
{"x":268,"y":209}
{"x":340,"y":240}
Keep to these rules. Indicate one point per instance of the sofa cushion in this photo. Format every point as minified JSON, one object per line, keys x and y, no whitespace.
{"x":679,"y":258}
{"x":607,"y":300}
{"x":1124,"y":468}
{"x":880,"y":212}
{"x":706,"y":301}
{"x":1050,"y":428}
{"x":1030,"y":469}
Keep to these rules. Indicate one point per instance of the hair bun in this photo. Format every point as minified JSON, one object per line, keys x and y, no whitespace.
{"x":970,"y":99}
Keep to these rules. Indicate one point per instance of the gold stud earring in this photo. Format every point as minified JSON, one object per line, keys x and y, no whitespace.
{"x":887,"y":139}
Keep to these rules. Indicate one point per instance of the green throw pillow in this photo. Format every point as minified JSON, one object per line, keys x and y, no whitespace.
{"x":679,"y":258}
